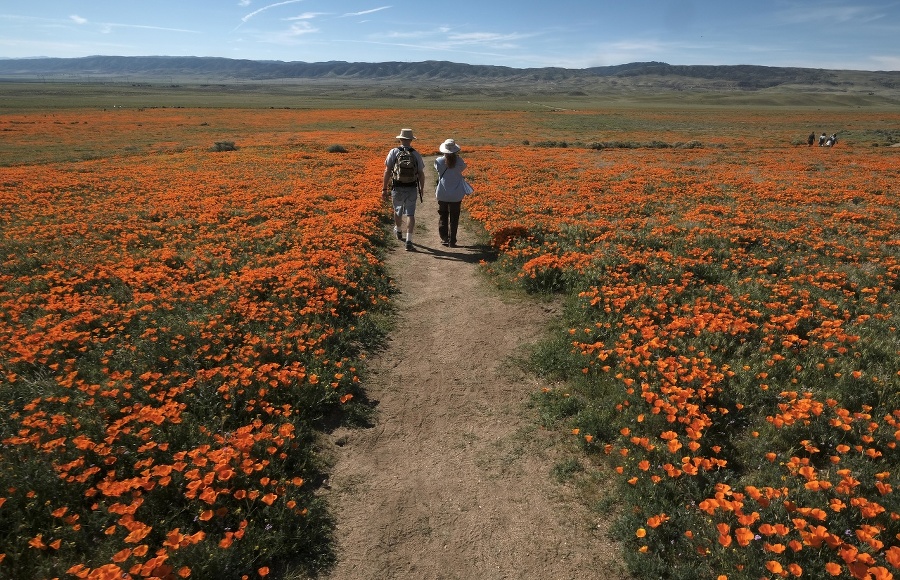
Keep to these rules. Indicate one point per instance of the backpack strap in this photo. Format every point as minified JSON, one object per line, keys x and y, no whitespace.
{"x":398,"y":149}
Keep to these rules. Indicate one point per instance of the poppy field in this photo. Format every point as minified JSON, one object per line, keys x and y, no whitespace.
{"x":177,"y":325}
{"x":180,"y":324}
{"x":732,"y":344}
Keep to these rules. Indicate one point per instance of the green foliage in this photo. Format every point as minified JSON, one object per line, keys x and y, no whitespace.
{"x":564,"y":470}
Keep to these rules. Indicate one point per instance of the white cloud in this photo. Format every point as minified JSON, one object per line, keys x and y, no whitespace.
{"x":428,"y":51}
{"x":411,"y":35}
{"x":887,"y":62}
{"x":364,"y":12}
{"x":107,"y":27}
{"x":443,"y":37}
{"x":483,"y":37}
{"x":264,"y":8}
{"x":301,"y":28}
{"x":825,"y":14}
{"x":306,"y":16}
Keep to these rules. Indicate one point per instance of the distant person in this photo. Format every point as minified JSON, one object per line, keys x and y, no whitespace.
{"x":450,"y":190}
{"x":403,"y":180}
{"x":822,"y":140}
{"x":811,"y":139}
{"x":833,"y":139}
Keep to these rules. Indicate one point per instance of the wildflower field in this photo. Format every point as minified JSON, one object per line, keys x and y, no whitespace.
{"x":731,"y":341}
{"x":179,"y":325}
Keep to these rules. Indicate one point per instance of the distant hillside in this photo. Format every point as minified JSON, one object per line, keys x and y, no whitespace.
{"x":639,"y":74}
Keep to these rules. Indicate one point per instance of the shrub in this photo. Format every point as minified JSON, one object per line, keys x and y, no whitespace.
{"x":224,"y":146}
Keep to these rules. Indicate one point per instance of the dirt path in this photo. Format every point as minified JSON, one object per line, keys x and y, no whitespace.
{"x":454,"y":480}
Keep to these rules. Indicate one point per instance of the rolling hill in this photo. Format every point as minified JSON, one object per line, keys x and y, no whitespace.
{"x":633,"y":76}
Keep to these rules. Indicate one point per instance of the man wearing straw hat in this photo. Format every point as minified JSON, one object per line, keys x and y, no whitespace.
{"x":404,"y":179}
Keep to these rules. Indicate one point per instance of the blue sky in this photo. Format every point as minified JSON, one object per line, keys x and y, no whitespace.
{"x":863,"y":34}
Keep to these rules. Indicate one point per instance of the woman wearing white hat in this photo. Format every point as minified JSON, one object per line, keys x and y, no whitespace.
{"x":450,"y":190}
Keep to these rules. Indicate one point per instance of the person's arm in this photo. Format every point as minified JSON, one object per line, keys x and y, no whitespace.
{"x":437,"y":170}
{"x":421,"y":177}
{"x":421,"y":184}
{"x":386,"y":182}
{"x":386,"y":178}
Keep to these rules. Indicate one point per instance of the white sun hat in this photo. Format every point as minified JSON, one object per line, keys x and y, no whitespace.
{"x":449,"y":146}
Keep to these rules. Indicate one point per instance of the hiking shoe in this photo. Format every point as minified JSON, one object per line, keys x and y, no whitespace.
{"x":399,"y":235}
{"x":409,"y":247}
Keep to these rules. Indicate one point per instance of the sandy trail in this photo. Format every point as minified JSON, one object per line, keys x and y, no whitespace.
{"x":454,"y":480}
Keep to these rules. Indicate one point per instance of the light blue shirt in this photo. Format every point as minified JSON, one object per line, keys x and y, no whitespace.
{"x":450,"y":185}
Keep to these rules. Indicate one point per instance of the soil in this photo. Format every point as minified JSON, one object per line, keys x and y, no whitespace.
{"x":456,"y":477}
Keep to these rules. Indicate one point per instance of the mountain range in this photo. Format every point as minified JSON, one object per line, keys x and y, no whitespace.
{"x":658,"y":75}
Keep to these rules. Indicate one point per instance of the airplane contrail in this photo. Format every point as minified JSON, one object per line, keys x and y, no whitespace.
{"x":255,"y":12}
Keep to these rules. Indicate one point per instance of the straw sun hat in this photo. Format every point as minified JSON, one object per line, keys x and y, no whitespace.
{"x":449,"y":146}
{"x":406,"y":134}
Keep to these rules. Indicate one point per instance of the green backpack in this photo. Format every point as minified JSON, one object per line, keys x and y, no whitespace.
{"x":406,"y":167}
